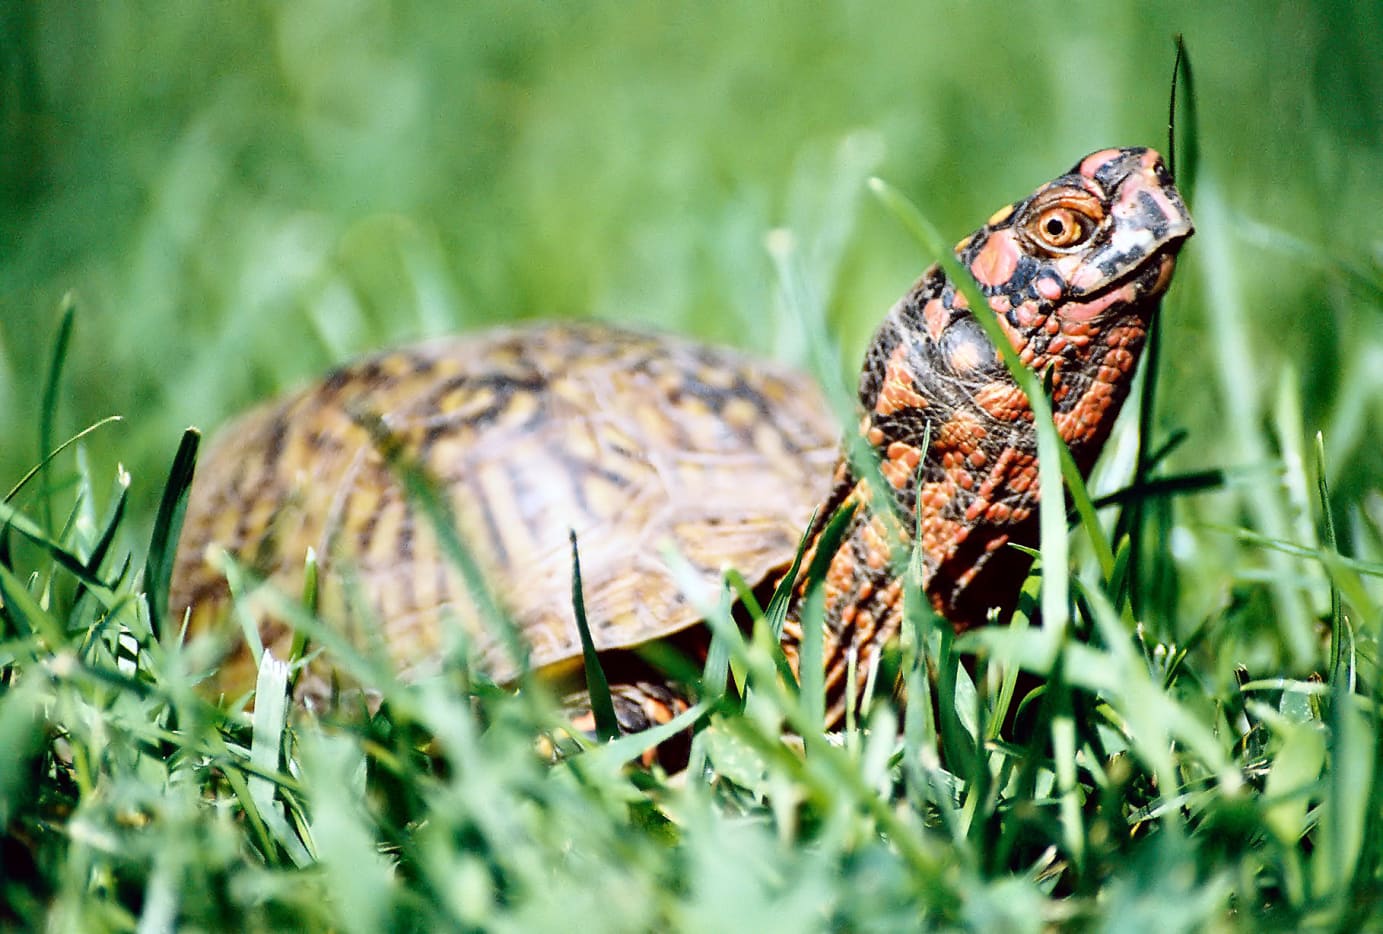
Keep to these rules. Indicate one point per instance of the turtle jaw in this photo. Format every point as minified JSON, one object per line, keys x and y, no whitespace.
{"x":1147,"y":225}
{"x":1141,"y":287}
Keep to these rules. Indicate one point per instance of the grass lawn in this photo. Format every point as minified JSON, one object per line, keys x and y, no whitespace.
{"x":202,"y":209}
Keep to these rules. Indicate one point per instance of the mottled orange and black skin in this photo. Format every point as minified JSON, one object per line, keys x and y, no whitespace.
{"x":1074,"y":274}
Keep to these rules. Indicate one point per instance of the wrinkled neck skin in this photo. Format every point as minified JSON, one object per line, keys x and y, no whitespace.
{"x":974,"y":489}
{"x":1073,"y":274}
{"x":933,"y":378}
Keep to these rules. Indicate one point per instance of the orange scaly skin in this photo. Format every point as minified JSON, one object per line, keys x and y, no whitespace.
{"x":1074,"y":274}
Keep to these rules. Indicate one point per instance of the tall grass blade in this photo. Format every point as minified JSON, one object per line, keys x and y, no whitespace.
{"x":811,"y":660}
{"x":42,"y":465}
{"x":1337,"y":617}
{"x":163,"y":542}
{"x":1185,"y":164}
{"x":776,"y":613}
{"x":597,"y":685}
{"x":47,"y":413}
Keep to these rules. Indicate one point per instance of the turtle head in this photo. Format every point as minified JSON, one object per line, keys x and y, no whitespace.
{"x":1101,"y":237}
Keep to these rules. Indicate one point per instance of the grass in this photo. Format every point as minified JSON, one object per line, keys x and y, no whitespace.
{"x":1204,"y":752}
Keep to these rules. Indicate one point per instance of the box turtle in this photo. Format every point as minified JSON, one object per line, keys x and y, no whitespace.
{"x":638,"y":442}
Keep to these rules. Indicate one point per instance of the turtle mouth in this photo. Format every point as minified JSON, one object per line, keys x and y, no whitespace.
{"x":1154,"y":272}
{"x":1146,"y":226}
{"x":1147,"y":276}
{"x":1148,"y":280}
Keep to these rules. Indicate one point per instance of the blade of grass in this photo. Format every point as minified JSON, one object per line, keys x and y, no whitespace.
{"x":1352,"y":741}
{"x":625,"y":749}
{"x":109,"y":528}
{"x":864,"y":459}
{"x":828,"y":770}
{"x":776,"y":614}
{"x":1063,"y":732}
{"x":1131,"y":521}
{"x":716,"y":672}
{"x":1155,"y":718}
{"x":1337,"y":619}
{"x":1162,"y":487}
{"x":298,"y":649}
{"x":27,"y":614}
{"x":266,"y":744}
{"x":1188,"y":161}
{"x":10,"y":518}
{"x":241,"y":588}
{"x":1009,"y":685}
{"x":47,"y":413}
{"x":163,"y":543}
{"x":1231,"y":339}
{"x":597,"y":685}
{"x":811,"y":668}
{"x":923,"y":734}
{"x":366,"y":668}
{"x":1344,"y":571}
{"x":43,"y":464}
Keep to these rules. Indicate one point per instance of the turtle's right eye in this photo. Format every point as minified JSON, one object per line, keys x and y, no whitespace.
{"x":1062,"y":227}
{"x":1063,"y":222}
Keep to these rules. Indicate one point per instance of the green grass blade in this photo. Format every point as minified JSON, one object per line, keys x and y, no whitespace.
{"x":42,"y":465}
{"x":1337,"y":619}
{"x":776,"y":614}
{"x":241,"y":588}
{"x":625,"y":749}
{"x":1063,"y":731}
{"x":1231,"y":337}
{"x":163,"y":542}
{"x":597,"y":685}
{"x":811,"y":660}
{"x":49,"y":406}
{"x":716,"y":672}
{"x":1345,"y":820}
{"x":266,"y":745}
{"x":1197,"y":481}
{"x":1184,"y":165}
{"x":70,"y":562}
{"x":27,"y":614}
{"x":115,"y":516}
{"x":298,"y":648}
{"x":1332,"y":560}
{"x":1131,"y":522}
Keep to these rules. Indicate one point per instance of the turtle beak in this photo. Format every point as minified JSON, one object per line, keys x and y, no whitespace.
{"x":1147,"y":215}
{"x":1150,"y":197}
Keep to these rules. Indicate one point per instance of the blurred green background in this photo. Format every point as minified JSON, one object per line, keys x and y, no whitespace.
{"x":241,"y":194}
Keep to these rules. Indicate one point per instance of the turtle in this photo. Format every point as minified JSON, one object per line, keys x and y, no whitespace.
{"x":642,"y":445}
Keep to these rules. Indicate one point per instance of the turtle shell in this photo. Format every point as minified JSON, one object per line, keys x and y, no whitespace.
{"x":636,"y":443}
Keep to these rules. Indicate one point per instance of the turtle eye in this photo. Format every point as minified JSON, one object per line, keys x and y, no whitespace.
{"x":1061,"y":224}
{"x":1062,"y":227}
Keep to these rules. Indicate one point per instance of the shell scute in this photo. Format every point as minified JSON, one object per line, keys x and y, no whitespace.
{"x":634,"y":442}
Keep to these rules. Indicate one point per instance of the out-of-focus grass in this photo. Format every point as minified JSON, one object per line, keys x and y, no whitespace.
{"x":242,"y":195}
